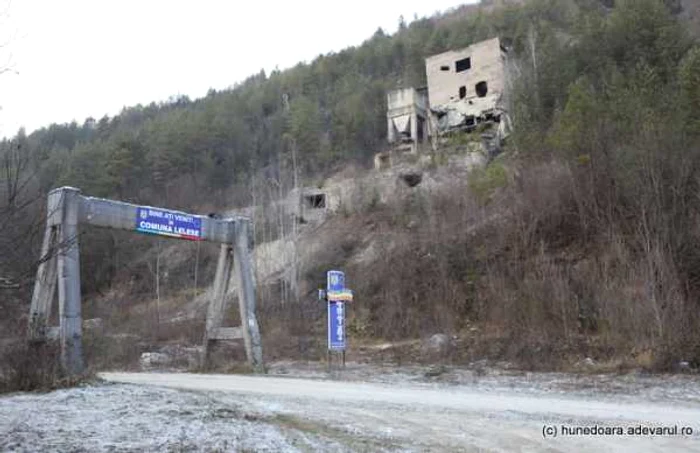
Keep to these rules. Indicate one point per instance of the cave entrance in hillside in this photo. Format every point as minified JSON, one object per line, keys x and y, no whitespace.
{"x":60,"y":266}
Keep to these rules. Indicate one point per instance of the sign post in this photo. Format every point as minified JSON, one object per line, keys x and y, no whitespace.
{"x":336,"y":295}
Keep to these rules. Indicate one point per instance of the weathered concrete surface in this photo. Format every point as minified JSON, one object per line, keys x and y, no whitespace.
{"x":444,"y":81}
{"x":407,"y":113}
{"x":66,"y":208}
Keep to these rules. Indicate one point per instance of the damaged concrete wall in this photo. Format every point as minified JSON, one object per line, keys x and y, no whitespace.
{"x":468,"y":87}
{"x":473,"y":73}
{"x":382,"y":161}
{"x":311,"y":205}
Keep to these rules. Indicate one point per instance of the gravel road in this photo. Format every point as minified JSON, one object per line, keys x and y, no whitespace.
{"x":370,"y":409}
{"x":414,"y":417}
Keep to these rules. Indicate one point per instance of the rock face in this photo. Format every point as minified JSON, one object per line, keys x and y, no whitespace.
{"x":474,"y":160}
{"x":155,"y":360}
{"x":437,"y":345}
{"x":587,"y":363}
{"x":683,"y":367}
{"x":172,"y":356}
{"x":95,"y":325}
{"x":183,"y":356}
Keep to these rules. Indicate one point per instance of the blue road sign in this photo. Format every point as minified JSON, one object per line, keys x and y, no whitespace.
{"x":337,"y":295}
{"x":167,"y":223}
{"x":336,"y":326}
{"x":335,"y":281}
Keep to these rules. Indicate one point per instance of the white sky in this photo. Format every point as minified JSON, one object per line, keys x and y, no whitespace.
{"x":81,"y":58}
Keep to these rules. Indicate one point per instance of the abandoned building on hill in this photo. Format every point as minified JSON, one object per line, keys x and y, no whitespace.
{"x":407,"y":116}
{"x":466,"y":88}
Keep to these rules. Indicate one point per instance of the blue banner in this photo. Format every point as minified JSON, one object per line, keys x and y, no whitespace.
{"x":336,"y":326}
{"x":168,"y":223}
{"x":335,"y":281}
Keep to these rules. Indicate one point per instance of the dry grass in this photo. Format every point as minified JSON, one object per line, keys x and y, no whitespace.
{"x":531,"y":264}
{"x":34,"y":366}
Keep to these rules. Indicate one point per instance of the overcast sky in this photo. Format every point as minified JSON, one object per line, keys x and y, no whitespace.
{"x":81,"y":58}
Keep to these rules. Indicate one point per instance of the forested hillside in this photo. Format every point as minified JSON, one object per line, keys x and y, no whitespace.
{"x":185,"y":154}
{"x":606,"y":106}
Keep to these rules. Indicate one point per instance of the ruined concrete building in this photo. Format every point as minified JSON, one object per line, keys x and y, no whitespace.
{"x":466,"y":87}
{"x":314,"y":204}
{"x":407,"y":117}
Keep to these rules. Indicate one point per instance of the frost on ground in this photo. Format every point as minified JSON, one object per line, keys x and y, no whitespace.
{"x":121,"y":418}
{"x":446,"y":418}
{"x":494,"y":378}
{"x":303,"y":408}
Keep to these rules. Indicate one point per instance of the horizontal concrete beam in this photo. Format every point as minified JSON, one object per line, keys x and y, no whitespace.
{"x":226,"y":333}
{"x":120,"y":215}
{"x":406,"y":110}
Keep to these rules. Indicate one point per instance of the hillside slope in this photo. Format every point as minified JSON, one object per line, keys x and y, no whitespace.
{"x":581,"y":241}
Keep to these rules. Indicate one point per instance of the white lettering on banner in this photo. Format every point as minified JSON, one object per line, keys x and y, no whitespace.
{"x":169,"y":224}
{"x":168,"y":229}
{"x":170,"y":215}
{"x":155,"y":226}
{"x":186,"y":231}
{"x":184,"y":218}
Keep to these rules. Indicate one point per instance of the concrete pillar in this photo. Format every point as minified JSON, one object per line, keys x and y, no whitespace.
{"x":215,"y":311}
{"x":390,"y":131}
{"x":60,"y":266}
{"x":426,"y":128}
{"x":246,"y":293}
{"x":67,"y":200}
{"x":414,"y":131}
{"x":44,"y":287}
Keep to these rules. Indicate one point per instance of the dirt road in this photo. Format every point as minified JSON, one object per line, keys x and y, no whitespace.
{"x":371,"y":416}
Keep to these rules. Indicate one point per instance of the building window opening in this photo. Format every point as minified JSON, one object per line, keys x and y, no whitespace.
{"x":462,"y":92}
{"x":444,"y":68}
{"x":463,"y":64}
{"x":482,"y":89}
{"x":316,"y":201}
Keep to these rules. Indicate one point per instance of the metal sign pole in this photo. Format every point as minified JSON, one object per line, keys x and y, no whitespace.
{"x":328,"y":354}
